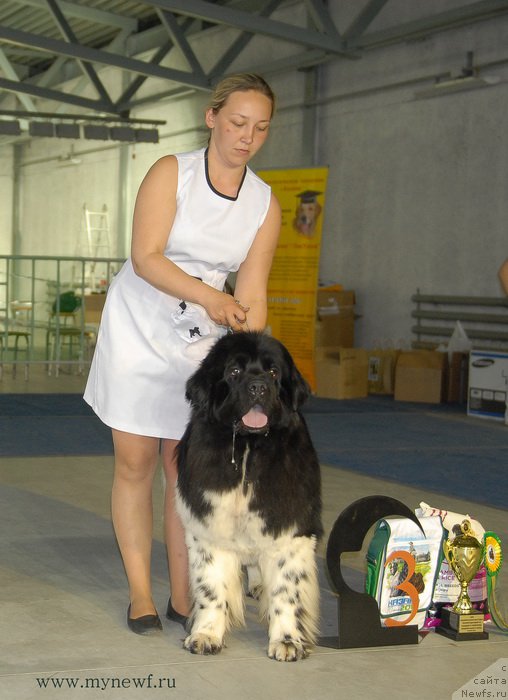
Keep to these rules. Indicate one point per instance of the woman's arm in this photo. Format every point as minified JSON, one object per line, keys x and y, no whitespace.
{"x":503,"y":276}
{"x":154,"y":214}
{"x":252,"y":277}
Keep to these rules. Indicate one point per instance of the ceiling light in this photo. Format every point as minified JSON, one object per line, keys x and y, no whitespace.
{"x":67,"y":131}
{"x":41,"y":129}
{"x":446,"y":87}
{"x":122,"y":133}
{"x":10,"y":128}
{"x":147,"y":135}
{"x":96,"y":131}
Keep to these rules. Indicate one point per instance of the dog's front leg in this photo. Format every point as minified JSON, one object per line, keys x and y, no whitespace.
{"x":216,"y":592}
{"x":290,"y":598}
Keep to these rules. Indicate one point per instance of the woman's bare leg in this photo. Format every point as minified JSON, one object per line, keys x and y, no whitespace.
{"x":136,"y":458}
{"x":175,"y":536}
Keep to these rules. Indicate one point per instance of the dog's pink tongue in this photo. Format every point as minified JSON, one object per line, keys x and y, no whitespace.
{"x":255,"y":418}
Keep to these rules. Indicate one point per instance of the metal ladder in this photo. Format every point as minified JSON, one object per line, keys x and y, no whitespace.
{"x":94,"y":242}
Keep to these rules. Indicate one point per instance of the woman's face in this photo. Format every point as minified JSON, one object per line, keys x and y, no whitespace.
{"x":240,"y":128}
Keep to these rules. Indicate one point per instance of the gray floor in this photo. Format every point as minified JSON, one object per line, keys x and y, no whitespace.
{"x":63,"y":602}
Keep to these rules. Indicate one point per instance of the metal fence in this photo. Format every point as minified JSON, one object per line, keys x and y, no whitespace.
{"x":50,"y":309}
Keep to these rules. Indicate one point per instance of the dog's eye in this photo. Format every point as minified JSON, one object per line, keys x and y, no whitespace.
{"x":274,"y":372}
{"x":234,"y":371}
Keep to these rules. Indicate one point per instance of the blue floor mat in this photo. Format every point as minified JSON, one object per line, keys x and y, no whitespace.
{"x":433,"y":447}
{"x":437,"y":448}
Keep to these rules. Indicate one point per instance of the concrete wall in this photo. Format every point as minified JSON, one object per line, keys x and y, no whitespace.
{"x":417,"y":188}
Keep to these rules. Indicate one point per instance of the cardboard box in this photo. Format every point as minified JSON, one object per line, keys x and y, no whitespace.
{"x":382,"y":365}
{"x":420,"y":375}
{"x":488,"y":385}
{"x":330,"y":301}
{"x":335,"y":325}
{"x":341,"y":373}
{"x":336,"y":331}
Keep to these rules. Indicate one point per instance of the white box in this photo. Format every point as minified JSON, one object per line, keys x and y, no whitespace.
{"x":488,"y":385}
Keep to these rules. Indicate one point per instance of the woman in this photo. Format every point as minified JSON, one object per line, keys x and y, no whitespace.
{"x":503,"y":276}
{"x":198,"y":216}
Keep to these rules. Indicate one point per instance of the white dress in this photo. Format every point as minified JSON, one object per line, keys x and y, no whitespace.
{"x":149,"y":343}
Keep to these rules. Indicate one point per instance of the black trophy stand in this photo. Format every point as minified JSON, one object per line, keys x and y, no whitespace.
{"x":359,"y":624}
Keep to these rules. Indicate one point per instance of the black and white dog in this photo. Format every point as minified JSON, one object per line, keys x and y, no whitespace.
{"x":249,"y":494}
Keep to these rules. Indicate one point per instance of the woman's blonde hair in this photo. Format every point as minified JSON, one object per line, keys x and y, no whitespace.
{"x":239,"y":82}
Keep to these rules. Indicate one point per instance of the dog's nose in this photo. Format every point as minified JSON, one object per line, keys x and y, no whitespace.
{"x":257,"y":387}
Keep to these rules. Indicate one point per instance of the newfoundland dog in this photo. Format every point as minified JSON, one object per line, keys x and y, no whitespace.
{"x":249,"y":495}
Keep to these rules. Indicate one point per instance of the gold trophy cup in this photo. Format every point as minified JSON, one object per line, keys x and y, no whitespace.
{"x":464,"y":554}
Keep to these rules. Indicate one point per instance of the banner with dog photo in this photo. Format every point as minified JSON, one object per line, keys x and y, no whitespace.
{"x":292,"y":287}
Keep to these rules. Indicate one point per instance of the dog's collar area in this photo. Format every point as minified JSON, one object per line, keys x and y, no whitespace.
{"x":245,"y":478}
{"x":239,"y":428}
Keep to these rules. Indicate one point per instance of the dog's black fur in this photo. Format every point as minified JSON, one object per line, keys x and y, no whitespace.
{"x":247,"y":449}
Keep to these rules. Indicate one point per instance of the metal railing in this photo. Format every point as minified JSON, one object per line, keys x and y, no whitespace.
{"x":50,"y":309}
{"x":484,"y":320}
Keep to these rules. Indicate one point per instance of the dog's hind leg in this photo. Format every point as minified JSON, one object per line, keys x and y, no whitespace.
{"x":254,"y":582}
{"x":217,"y":599}
{"x":290,"y":598}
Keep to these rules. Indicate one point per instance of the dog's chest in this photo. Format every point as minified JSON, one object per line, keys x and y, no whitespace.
{"x":231,"y":518}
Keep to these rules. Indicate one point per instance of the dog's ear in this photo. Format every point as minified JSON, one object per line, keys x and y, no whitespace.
{"x":197,"y":390}
{"x":296,"y":388}
{"x":300,"y":390}
{"x":200,"y":387}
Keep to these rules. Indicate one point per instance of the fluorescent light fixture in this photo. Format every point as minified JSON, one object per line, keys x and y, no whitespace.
{"x":447,"y":87}
{"x":41,"y":129}
{"x":147,"y":135}
{"x":10,"y":128}
{"x":96,"y":131}
{"x":67,"y":131}
{"x":122,"y":133}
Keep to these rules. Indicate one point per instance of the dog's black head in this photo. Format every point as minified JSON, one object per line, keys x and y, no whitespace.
{"x":247,"y":380}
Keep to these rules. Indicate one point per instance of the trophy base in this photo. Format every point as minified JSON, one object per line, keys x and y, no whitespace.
{"x":462,"y":628}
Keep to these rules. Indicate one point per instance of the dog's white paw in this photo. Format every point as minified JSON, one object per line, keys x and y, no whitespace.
{"x":288,"y":650}
{"x":199,"y":643}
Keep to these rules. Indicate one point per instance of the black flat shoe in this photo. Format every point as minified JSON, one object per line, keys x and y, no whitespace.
{"x":147,"y":624}
{"x":171,"y":614}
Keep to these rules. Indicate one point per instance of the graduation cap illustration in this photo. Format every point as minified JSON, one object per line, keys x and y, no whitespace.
{"x":308,"y":196}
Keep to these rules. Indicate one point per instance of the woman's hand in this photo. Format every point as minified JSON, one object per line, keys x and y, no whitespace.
{"x":224,"y":310}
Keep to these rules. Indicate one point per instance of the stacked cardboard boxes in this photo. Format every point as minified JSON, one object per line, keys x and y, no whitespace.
{"x":335,"y":324}
{"x":341,"y":369}
{"x":341,"y":373}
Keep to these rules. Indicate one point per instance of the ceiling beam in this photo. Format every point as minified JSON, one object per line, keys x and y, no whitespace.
{"x":460,"y":16}
{"x":123,"y":102}
{"x":364,"y":18}
{"x":177,"y":35}
{"x":239,"y":44}
{"x":55,"y":95}
{"x":322,"y":18}
{"x":12,"y":75}
{"x":57,"y":47}
{"x":91,"y":14}
{"x":68,"y":33}
{"x":218,"y":14}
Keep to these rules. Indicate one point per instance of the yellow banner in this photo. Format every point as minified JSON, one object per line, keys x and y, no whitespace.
{"x":293,"y":282}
